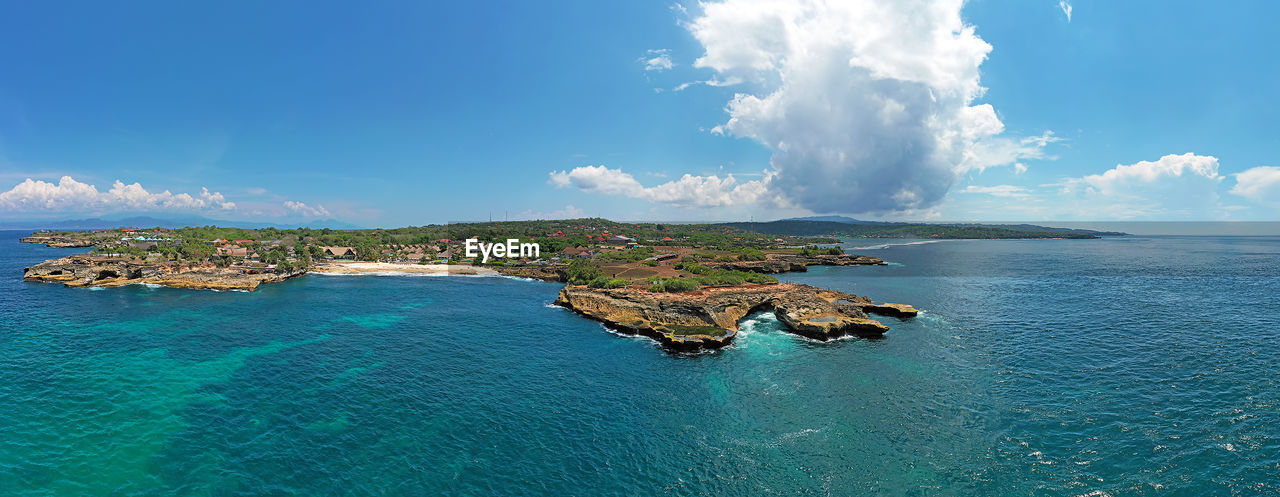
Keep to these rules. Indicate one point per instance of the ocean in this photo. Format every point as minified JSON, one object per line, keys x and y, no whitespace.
{"x":1144,"y":365}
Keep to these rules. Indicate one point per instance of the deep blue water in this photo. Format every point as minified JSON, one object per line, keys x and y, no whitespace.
{"x":1132,"y":366}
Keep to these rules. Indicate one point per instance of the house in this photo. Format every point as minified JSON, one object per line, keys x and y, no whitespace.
{"x":620,"y":240}
{"x":339,"y":252}
{"x":579,"y":252}
{"x":142,"y":244}
{"x":668,"y":239}
{"x":232,"y":251}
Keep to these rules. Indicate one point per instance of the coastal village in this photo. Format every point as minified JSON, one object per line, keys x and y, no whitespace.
{"x":625,"y":250}
{"x":686,"y":286}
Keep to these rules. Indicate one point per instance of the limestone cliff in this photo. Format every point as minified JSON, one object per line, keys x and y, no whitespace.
{"x":57,"y":241}
{"x":783,"y":263}
{"x":708,"y":318}
{"x":83,"y":270}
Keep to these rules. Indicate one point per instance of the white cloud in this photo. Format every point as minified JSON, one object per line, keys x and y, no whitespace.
{"x":306,"y":210}
{"x":688,"y":191}
{"x":1126,"y":178}
{"x":1009,"y":191}
{"x":1175,"y":186}
{"x":657,"y":60}
{"x":867,"y":106}
{"x":1260,"y":184}
{"x":1001,"y":151}
{"x":713,"y":82}
{"x":1066,"y":8}
{"x":69,"y":195}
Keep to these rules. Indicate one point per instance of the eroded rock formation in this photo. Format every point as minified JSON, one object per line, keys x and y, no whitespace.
{"x":781,"y":263}
{"x":83,"y":270}
{"x":708,"y":318}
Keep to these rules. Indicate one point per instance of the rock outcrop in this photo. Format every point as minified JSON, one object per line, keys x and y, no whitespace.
{"x":544,"y":273}
{"x":83,"y":270}
{"x":783,"y":263}
{"x":58,"y":241}
{"x":708,"y":318}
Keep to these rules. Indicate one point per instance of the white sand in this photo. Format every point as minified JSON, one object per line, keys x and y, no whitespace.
{"x":407,"y":267}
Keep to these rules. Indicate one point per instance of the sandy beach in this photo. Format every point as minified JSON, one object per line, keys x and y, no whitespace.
{"x":388,"y":267}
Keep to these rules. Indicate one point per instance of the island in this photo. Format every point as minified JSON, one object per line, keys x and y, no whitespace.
{"x":685,"y":285}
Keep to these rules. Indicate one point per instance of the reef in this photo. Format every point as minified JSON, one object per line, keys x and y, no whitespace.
{"x":708,"y":318}
{"x":95,"y":271}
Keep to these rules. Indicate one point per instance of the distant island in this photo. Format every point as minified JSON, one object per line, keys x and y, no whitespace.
{"x":685,"y":285}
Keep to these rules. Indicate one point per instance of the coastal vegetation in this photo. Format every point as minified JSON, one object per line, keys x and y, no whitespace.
{"x":655,"y":279}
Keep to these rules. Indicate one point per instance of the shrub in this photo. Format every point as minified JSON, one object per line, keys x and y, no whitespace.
{"x":751,"y":254}
{"x":695,"y":268}
{"x":674,"y":285}
{"x":581,"y":272}
{"x":813,"y":250}
{"x":651,"y":263}
{"x":603,"y":282}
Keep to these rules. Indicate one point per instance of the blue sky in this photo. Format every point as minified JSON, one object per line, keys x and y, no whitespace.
{"x":413,"y":113}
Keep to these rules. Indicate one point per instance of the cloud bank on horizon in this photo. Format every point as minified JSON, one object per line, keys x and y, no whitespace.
{"x":74,"y":197}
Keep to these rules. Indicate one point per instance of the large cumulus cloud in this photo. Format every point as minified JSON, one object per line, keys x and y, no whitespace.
{"x":867,"y":106}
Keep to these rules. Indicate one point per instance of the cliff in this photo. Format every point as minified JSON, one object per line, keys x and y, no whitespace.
{"x":783,"y":263}
{"x":82,"y":270}
{"x":708,"y":318}
{"x":58,"y":241}
{"x":544,"y":273}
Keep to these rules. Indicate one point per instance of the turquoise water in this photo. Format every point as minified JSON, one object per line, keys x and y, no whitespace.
{"x":1135,"y":366}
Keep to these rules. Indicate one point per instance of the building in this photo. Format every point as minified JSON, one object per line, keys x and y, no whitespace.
{"x":579,"y":252}
{"x":232,"y":251}
{"x":339,"y":252}
{"x":620,"y":240}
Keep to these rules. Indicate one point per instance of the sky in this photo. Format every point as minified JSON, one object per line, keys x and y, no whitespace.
{"x":408,"y":113}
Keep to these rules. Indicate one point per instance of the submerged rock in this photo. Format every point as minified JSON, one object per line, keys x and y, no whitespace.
{"x":708,"y":318}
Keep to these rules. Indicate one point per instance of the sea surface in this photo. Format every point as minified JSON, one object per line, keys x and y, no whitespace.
{"x":1127,"y":366}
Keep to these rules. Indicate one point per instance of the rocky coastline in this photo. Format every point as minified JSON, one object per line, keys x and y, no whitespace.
{"x":96,"y":271}
{"x":708,"y":318}
{"x":544,"y":273}
{"x":784,"y":263}
{"x":58,"y":241}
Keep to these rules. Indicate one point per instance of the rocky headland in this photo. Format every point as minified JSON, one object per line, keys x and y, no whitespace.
{"x":544,"y":273}
{"x":84,"y":270}
{"x":58,"y":241}
{"x":785,"y":263}
{"x":708,"y":318}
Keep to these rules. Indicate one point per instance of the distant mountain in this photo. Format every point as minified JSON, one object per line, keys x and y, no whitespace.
{"x":1034,"y":227}
{"x":166,"y":222}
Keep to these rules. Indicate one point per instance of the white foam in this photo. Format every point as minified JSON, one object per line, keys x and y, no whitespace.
{"x":887,"y":245}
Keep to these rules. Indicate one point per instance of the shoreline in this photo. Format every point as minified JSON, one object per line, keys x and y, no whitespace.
{"x":373,"y":268}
